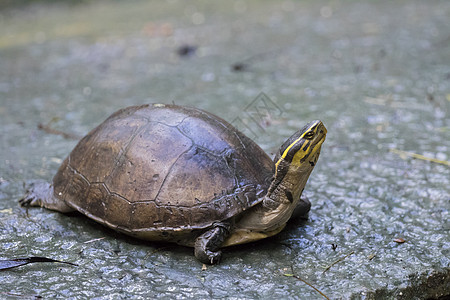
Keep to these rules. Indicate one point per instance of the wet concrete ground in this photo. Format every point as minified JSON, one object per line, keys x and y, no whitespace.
{"x":377,"y":73}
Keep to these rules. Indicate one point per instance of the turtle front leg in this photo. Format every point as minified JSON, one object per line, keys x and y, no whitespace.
{"x":207,"y":245}
{"x":302,"y":208}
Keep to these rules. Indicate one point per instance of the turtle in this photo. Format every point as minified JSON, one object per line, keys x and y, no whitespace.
{"x":179,"y":174}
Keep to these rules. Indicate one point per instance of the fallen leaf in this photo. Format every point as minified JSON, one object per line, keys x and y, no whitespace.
{"x":17,"y":262}
{"x":399,"y":240}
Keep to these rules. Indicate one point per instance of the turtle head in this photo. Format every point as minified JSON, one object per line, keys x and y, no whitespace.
{"x":292,"y":166}
{"x":294,"y":162}
{"x":302,"y":149}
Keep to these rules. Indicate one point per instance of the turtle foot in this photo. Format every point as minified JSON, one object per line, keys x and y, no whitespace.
{"x":208,"y":257}
{"x":207,"y":245}
{"x":35,"y":194}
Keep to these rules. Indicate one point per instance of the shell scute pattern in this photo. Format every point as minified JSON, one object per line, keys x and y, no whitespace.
{"x":153,"y":168}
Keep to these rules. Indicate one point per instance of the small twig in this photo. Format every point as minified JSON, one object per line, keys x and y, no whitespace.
{"x":21,"y":295}
{"x":339,"y":260}
{"x":50,"y":130}
{"x":94,"y":240}
{"x":309,"y":284}
{"x":418,"y":156}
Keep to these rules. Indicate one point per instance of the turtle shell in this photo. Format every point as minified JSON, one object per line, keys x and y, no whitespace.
{"x":159,"y":171}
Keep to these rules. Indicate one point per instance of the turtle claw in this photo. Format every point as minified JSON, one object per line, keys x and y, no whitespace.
{"x":214,"y":257}
{"x":25,"y":201}
{"x":28,"y":200}
{"x":35,"y":194}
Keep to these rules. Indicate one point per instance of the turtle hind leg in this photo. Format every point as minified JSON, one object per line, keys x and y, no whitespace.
{"x":41,"y":194}
{"x":207,"y":245}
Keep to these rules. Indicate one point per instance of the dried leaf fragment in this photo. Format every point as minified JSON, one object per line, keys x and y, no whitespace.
{"x":17,"y":262}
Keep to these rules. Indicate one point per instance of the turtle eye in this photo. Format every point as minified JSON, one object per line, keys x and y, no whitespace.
{"x":309,"y":135}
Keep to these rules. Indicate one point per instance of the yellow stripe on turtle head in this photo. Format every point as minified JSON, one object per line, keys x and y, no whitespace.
{"x":305,"y":147}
